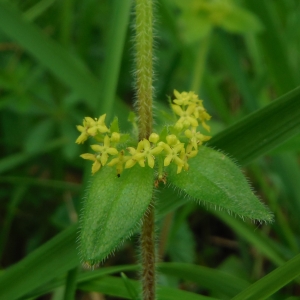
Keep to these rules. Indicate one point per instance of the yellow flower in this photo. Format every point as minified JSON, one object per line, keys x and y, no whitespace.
{"x":201,"y":114}
{"x":184,"y":98}
{"x":105,"y":150}
{"x":96,"y":158}
{"x":144,"y":151}
{"x":119,"y":162}
{"x":135,"y":157}
{"x":87,"y":123}
{"x":186,"y":116}
{"x":184,"y":158}
{"x":172,"y":153}
{"x":97,"y":125}
{"x":196,"y":138}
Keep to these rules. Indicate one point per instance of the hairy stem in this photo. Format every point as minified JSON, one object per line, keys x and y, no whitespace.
{"x":144,"y":71}
{"x":148,"y":254}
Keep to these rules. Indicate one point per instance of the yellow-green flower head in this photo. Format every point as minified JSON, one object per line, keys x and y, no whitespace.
{"x":98,"y":125}
{"x":87,"y":124}
{"x":196,"y":138}
{"x":119,"y":162}
{"x":172,"y":153}
{"x":105,"y":150}
{"x":187,"y":117}
{"x":144,"y":151}
{"x":189,"y":110}
{"x":185,"y":98}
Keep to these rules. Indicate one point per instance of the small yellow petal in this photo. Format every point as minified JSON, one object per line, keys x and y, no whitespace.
{"x":167,"y":160}
{"x":104,"y":158}
{"x":88,"y":156}
{"x":142,"y":162}
{"x":130,"y":163}
{"x":92,"y":131}
{"x":97,"y":148}
{"x":156,"y":150}
{"x":96,"y":167}
{"x":146,"y":144}
{"x":177,"y":109}
{"x":80,"y":128}
{"x":177,"y":94}
{"x":150,"y":161}
{"x":82,"y":138}
{"x":112,"y":151}
{"x":113,"y":162}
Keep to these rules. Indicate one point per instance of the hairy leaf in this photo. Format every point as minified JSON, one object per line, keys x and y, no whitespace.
{"x":113,"y":207}
{"x":214,"y":179}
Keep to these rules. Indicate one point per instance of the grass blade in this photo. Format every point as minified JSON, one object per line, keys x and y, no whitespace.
{"x":261,"y":131}
{"x":69,"y":69}
{"x":272,"y":282}
{"x":47,"y":262}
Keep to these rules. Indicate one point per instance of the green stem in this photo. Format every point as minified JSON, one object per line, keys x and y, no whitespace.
{"x":144,"y":41}
{"x":144,"y":71}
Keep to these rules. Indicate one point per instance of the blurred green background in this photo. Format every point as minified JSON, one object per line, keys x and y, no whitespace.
{"x":64,"y":60}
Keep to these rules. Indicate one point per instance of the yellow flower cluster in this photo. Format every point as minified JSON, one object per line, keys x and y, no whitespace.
{"x":180,"y":144}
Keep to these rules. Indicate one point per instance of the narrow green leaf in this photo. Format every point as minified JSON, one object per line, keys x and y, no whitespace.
{"x":261,"y":131}
{"x":227,"y":284}
{"x":258,"y":239}
{"x":214,"y":179}
{"x":49,"y":261}
{"x":118,"y":28}
{"x":82,"y":277}
{"x":131,"y":290}
{"x":274,"y":45}
{"x":112,"y":209}
{"x":271,"y":283}
{"x":114,"y":286}
{"x":69,"y":69}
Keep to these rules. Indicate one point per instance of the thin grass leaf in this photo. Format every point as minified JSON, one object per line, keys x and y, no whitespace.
{"x":261,"y":131}
{"x":227,"y":284}
{"x":114,"y":286}
{"x":69,"y":69}
{"x":114,"y":51}
{"x":49,"y":261}
{"x":271,"y":283}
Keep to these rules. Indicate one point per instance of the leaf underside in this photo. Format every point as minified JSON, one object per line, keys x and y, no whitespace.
{"x":113,"y":208}
{"x":214,"y":179}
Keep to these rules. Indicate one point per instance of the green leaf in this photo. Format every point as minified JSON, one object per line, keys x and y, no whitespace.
{"x":214,"y":179}
{"x":206,"y":277}
{"x":112,"y":209}
{"x":50,"y":260}
{"x":68,"y":68}
{"x":271,"y":283}
{"x":261,"y":131}
{"x":114,"y":286}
